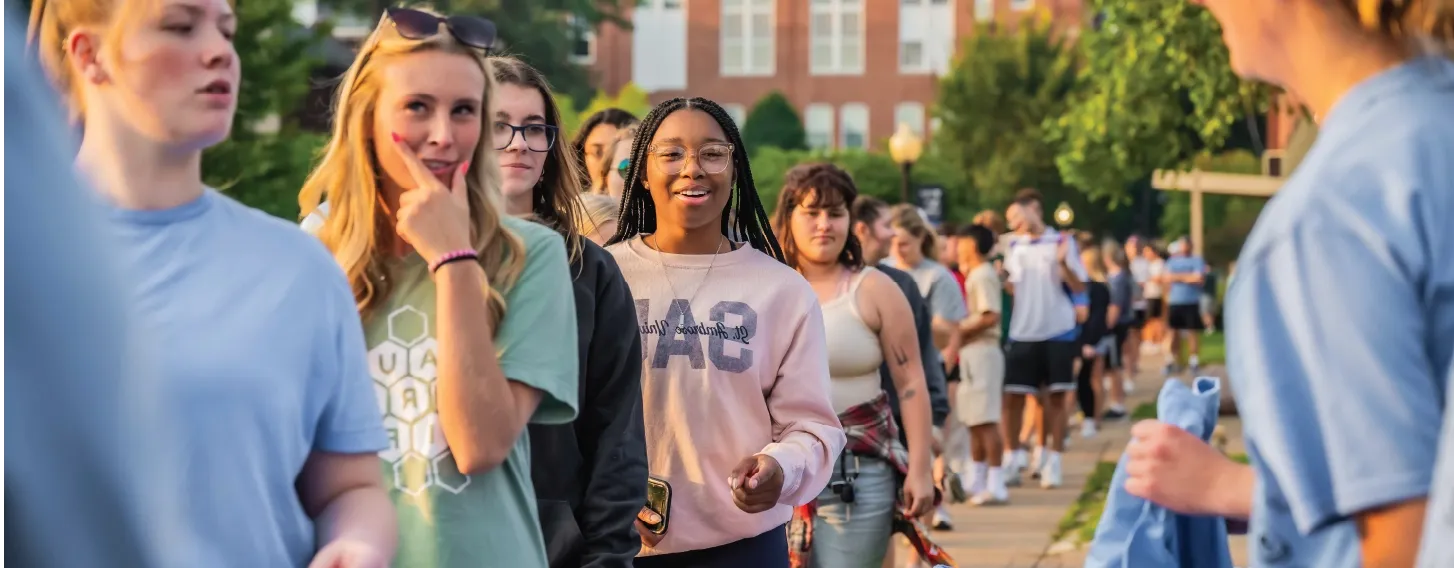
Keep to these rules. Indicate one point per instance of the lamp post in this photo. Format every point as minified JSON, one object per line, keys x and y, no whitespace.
{"x":1064,"y":215}
{"x":905,"y":147}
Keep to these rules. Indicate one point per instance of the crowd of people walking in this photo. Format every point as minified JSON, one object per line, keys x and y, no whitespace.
{"x":490,"y":346}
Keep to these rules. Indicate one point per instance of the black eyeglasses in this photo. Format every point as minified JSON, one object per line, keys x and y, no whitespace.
{"x":537,"y":137}
{"x":413,"y":24}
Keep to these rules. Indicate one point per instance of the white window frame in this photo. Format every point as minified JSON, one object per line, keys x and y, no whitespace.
{"x":984,"y":10}
{"x":836,"y":9}
{"x":1021,"y":5}
{"x":848,"y":111}
{"x":744,"y":10}
{"x":910,"y":67}
{"x":590,"y":37}
{"x":915,"y":123}
{"x":828,"y":137}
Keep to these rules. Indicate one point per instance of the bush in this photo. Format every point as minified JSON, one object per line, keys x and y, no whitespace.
{"x":773,"y":123}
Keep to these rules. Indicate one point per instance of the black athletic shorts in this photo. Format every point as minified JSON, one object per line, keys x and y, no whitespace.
{"x":1154,"y":308}
{"x":1034,"y":365}
{"x":1138,"y":318}
{"x":1113,"y":359}
{"x":1185,"y":317}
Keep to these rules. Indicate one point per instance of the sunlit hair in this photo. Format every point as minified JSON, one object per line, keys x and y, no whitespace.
{"x":611,"y":117}
{"x":623,"y":136}
{"x":1095,"y":263}
{"x":825,"y":186}
{"x":990,"y":219}
{"x":599,"y":210}
{"x":1115,"y":253}
{"x":357,"y":228}
{"x":905,"y":217}
{"x":1406,"y":19}
{"x":52,"y":21}
{"x":555,"y":201}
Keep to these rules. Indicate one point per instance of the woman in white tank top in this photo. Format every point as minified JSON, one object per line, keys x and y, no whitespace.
{"x":868,"y":321}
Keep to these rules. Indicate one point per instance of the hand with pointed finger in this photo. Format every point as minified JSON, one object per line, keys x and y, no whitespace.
{"x":433,"y":218}
{"x":756,"y":483}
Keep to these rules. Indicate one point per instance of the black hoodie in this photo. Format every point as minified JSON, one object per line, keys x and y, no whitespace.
{"x":590,"y":476}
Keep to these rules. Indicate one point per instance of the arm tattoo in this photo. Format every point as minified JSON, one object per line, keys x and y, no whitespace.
{"x":909,"y":394}
{"x":901,"y":358}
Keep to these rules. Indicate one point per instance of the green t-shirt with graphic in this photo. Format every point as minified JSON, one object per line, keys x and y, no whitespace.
{"x":447,"y":519}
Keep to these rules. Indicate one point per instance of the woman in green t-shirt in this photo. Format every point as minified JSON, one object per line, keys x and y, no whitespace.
{"x":465,"y":308}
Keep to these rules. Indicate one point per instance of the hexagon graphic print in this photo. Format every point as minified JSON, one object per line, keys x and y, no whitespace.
{"x":403,"y":369}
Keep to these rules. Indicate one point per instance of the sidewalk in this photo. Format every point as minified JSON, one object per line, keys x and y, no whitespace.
{"x":1018,"y":535}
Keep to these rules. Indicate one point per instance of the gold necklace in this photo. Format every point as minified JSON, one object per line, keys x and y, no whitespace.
{"x":662,"y":264}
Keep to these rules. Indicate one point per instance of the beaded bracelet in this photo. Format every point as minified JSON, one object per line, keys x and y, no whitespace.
{"x":462,"y":254}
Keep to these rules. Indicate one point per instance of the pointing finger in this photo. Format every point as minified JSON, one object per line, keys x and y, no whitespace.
{"x":417,"y":170}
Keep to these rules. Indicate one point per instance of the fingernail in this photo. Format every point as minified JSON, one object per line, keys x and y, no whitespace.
{"x":655,"y":518}
{"x":732,"y":482}
{"x":752,"y":484}
{"x":464,"y":167}
{"x":396,"y":136}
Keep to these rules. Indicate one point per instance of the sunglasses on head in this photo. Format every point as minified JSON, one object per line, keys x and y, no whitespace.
{"x":413,"y":24}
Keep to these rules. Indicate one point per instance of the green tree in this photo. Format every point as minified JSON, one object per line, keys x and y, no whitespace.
{"x":874,"y":173}
{"x":992,"y":105}
{"x":265,"y":167}
{"x":630,"y":98}
{"x":774,"y":123}
{"x":1155,"y":89}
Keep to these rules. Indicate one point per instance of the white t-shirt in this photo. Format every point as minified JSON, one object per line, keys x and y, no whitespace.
{"x":1152,"y":285}
{"x":1042,"y":308}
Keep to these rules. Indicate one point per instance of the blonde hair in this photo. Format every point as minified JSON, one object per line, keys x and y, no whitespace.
{"x":53,"y":21}
{"x":907,"y":217}
{"x":1114,"y":253}
{"x":357,"y":228}
{"x":1096,"y":267}
{"x":600,"y":209}
{"x":990,"y":219}
{"x":626,"y":135}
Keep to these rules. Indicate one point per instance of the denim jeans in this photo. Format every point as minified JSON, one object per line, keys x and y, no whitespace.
{"x":855,"y":535}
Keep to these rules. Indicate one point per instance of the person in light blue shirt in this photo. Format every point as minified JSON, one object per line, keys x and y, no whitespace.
{"x":1136,"y":533}
{"x":88,"y":482}
{"x":258,"y":349}
{"x":1340,"y":324}
{"x":1185,"y":276}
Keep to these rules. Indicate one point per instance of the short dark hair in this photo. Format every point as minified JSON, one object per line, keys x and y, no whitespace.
{"x":868,"y":209}
{"x":984,"y":238}
{"x":1029,"y":195}
{"x":826,"y":185}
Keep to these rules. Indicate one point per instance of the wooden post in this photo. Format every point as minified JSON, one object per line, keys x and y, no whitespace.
{"x":1197,"y":229}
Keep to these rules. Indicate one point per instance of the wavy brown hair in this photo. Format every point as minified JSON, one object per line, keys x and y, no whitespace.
{"x":824,"y":185}
{"x":358,"y":230}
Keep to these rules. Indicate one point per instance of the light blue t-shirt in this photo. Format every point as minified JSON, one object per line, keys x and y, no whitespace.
{"x":89,"y":477}
{"x":1341,"y":320}
{"x":1183,"y":294}
{"x":262,"y":361}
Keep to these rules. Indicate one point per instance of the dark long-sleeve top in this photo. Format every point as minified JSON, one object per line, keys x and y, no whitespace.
{"x":590,"y":476}
{"x":933,"y":365}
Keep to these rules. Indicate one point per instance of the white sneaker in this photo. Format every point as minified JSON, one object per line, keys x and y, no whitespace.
{"x":1014,"y":465}
{"x":1037,"y":462}
{"x":942,"y":520}
{"x":990,"y":498}
{"x":1128,"y":385}
{"x":1050,"y":475}
{"x":1088,"y":429}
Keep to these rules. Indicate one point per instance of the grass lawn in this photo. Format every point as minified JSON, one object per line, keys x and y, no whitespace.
{"x":1214,"y":349}
{"x":1079,"y":523}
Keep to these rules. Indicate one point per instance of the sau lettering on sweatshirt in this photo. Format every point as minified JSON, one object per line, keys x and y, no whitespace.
{"x":735,"y":364}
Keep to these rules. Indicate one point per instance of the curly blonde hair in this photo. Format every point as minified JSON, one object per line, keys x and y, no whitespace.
{"x":357,"y":228}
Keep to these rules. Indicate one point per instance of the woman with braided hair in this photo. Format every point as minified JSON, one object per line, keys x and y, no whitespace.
{"x":1341,"y":388}
{"x":735,"y":392}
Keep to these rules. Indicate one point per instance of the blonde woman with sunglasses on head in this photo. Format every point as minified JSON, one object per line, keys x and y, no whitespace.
{"x":263,"y":356}
{"x":456,"y":295}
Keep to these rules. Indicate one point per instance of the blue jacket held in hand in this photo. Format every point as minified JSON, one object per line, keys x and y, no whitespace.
{"x":1136,"y":533}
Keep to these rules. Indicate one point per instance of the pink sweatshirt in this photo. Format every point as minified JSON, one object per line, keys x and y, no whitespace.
{"x":743,"y":371}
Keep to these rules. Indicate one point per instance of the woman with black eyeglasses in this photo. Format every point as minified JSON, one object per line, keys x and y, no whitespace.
{"x":590,"y":476}
{"x":456,"y":295}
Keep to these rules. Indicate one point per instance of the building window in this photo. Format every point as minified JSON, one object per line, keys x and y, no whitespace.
{"x":747,"y":37}
{"x":583,"y":40}
{"x":818,"y":122}
{"x":1022,"y":5}
{"x":853,"y":126}
{"x":984,"y":10}
{"x":912,"y":114}
{"x":911,"y":56}
{"x":836,"y":31}
{"x":737,"y":112}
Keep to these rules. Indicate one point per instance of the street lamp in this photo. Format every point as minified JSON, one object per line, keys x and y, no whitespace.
{"x":1064,"y":215}
{"x":905,"y":147}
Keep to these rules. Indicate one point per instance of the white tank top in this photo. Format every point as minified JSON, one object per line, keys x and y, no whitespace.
{"x":854,"y":353}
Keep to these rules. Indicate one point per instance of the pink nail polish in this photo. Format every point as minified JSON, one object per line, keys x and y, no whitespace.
{"x":396,"y":136}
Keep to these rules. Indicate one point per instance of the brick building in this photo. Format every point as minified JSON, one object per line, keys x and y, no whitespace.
{"x":854,"y":69}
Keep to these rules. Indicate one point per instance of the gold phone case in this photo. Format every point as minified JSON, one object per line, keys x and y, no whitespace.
{"x":658,"y":499}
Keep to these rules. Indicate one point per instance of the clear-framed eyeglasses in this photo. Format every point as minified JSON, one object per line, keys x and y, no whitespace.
{"x":713,"y":157}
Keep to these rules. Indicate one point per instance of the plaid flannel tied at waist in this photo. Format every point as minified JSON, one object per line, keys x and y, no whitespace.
{"x":872,"y":433}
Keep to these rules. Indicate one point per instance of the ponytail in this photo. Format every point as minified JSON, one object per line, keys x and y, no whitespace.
{"x":51,"y":23}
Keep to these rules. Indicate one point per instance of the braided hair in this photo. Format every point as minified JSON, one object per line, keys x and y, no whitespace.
{"x":746,"y":217}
